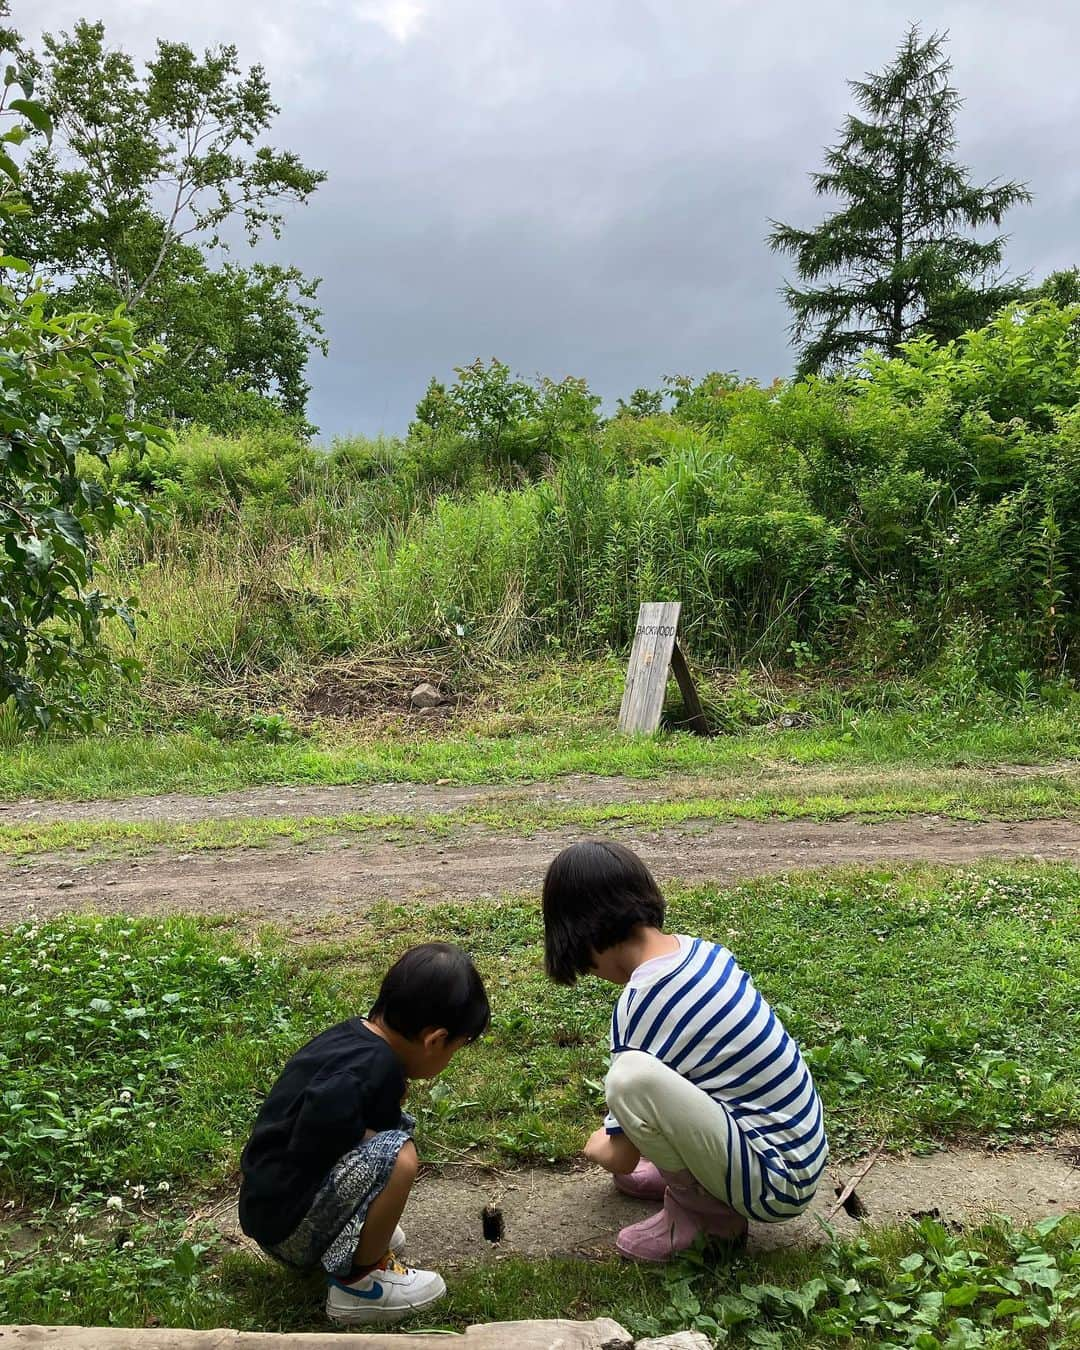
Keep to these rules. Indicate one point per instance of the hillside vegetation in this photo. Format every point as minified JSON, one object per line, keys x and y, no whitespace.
{"x":918,"y":520}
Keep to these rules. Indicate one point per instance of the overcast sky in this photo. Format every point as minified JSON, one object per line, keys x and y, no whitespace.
{"x":583,"y":186}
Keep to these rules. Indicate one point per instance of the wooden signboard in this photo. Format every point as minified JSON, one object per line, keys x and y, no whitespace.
{"x":654,"y":655}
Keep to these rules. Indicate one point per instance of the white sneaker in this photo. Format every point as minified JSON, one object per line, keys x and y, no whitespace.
{"x":397,"y":1241}
{"x":388,"y":1294}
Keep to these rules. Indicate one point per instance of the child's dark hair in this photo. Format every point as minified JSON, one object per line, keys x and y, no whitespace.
{"x":595,"y":894}
{"x":434,"y":985}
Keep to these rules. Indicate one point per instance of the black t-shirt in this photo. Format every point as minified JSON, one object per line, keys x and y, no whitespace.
{"x":340,"y":1085}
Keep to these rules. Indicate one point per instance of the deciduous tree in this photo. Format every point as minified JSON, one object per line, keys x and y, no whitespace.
{"x":64,"y":379}
{"x":150,"y":176}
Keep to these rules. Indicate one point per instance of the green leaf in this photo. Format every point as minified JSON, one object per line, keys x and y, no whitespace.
{"x":185,"y":1260}
{"x":34,"y":113}
{"x":69,"y":529}
{"x":730,"y":1310}
{"x":14,"y":264}
{"x":961,"y":1295}
{"x":805,"y":1300}
{"x":40,"y":551}
{"x":764,"y":1338}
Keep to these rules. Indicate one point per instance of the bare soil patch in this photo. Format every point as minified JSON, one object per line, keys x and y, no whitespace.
{"x":419,"y":799}
{"x":573,"y":790}
{"x":578,"y":1213}
{"x":327,"y":886}
{"x":370,"y":690}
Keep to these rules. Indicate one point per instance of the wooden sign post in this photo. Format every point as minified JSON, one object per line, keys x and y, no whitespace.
{"x":654,"y":654}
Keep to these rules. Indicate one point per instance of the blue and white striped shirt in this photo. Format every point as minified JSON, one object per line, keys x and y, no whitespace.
{"x":703,"y":1018}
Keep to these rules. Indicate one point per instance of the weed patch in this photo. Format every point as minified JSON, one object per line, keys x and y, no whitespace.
{"x":921,"y":1286}
{"x":136,"y":1051}
{"x":934,"y":1288}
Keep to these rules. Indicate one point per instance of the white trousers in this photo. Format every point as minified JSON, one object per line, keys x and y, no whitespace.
{"x":678,"y":1127}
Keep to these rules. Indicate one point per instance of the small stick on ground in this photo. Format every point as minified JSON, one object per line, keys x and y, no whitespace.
{"x":849,"y":1189}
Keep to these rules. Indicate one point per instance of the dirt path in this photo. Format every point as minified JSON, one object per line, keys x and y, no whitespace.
{"x":327,"y":885}
{"x":422,"y":799}
{"x":548,"y":1213}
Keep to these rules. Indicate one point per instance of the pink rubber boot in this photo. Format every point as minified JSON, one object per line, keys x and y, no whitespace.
{"x":645,"y":1182}
{"x":688,"y":1210}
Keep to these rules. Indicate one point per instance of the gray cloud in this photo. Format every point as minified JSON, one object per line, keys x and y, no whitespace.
{"x":583,"y":186}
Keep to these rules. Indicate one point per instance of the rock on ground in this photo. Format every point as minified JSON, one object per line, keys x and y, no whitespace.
{"x":426,"y":696}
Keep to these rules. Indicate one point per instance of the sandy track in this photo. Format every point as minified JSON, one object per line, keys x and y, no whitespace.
{"x":328,"y":884}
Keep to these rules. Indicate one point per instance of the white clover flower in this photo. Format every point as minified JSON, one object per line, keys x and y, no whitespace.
{"x":79,"y":1240}
{"x":128,"y":1246}
{"x":114,"y":1202}
{"x":137,"y":1192}
{"x":126,"y":1097}
{"x":164,"y":1187}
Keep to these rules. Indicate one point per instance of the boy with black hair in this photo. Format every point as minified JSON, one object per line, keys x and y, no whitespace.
{"x":331,"y":1161}
{"x":711,"y":1108}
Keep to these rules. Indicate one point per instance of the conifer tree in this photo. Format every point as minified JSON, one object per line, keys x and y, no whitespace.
{"x":905,"y":253}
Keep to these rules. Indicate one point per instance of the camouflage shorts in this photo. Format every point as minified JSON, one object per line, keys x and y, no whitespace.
{"x":328,"y":1233}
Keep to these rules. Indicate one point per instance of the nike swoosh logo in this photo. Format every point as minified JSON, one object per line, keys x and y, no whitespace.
{"x":376,"y":1291}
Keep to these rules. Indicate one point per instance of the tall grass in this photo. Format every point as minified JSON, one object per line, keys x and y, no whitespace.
{"x":566,"y":560}
{"x":926,"y":513}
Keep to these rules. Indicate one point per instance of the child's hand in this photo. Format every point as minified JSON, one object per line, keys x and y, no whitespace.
{"x":614,"y":1152}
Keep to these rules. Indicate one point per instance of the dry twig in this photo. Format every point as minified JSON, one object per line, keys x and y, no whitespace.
{"x":849,"y":1189}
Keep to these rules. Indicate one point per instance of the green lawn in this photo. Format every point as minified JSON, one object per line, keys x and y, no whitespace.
{"x":560,"y":737}
{"x":932,"y":1004}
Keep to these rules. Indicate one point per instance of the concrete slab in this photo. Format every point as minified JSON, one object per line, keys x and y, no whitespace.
{"x":601,"y":1334}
